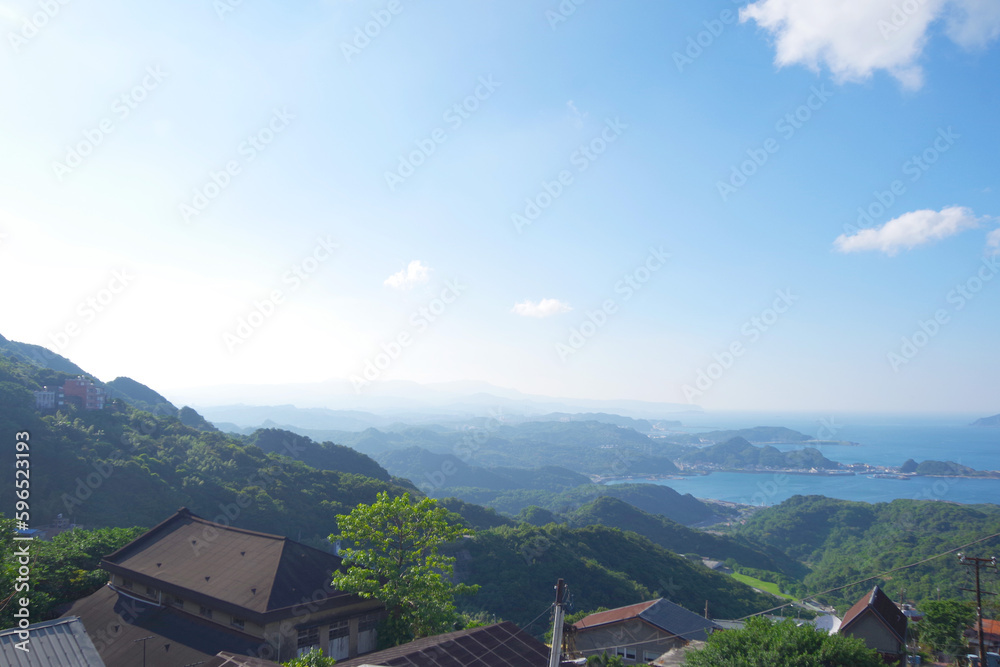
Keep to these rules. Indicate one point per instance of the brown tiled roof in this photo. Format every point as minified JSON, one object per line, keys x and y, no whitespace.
{"x":613,"y":615}
{"x":500,"y":645}
{"x":989,"y":626}
{"x":884,"y":609}
{"x":254,"y":572}
{"x":663,"y":614}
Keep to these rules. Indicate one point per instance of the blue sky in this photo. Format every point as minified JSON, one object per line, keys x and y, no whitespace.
{"x":604,"y":200}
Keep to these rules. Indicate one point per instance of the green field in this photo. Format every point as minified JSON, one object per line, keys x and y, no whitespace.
{"x":766,"y":586}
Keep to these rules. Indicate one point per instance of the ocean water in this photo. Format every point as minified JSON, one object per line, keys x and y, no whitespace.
{"x":883,"y":440}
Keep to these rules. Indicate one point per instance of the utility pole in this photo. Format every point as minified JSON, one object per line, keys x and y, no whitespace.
{"x":143,"y":640}
{"x":979,"y":563}
{"x":555,"y":655}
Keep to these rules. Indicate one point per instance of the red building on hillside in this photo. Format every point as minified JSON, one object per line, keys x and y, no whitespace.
{"x":91,"y":396}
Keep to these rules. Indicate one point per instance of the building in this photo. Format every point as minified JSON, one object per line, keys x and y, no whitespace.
{"x":639,"y":633}
{"x":48,"y":398}
{"x":879,"y":622}
{"x":84,"y":392}
{"x":991,"y":636}
{"x":190,"y":588}
{"x":59,"y":643}
{"x":500,"y":645}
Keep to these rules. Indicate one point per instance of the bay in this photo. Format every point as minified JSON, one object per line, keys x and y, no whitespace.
{"x":887,"y":440}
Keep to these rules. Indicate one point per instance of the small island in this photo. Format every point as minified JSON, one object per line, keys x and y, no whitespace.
{"x":945,"y":469}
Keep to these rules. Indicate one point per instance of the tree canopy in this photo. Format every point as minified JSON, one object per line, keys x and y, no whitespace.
{"x":393,"y":555}
{"x":765,"y":644}
{"x":943,"y":624}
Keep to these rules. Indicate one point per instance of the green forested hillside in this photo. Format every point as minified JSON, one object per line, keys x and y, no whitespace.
{"x":615,"y":513}
{"x":842,"y":541}
{"x":739,"y":453}
{"x":653,"y":498}
{"x":124,"y":467}
{"x":140,"y":396}
{"x":322,"y":456}
{"x":585,"y":447}
{"x":436,"y":473}
{"x":516,"y":569}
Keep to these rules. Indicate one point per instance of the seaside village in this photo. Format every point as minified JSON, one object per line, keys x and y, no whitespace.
{"x":195,"y":592}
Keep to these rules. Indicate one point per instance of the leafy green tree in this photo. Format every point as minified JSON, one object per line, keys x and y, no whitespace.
{"x":605,"y":660}
{"x":943,"y":623}
{"x":63,"y":569}
{"x":313,"y":658}
{"x":393,"y":556}
{"x":765,"y":644}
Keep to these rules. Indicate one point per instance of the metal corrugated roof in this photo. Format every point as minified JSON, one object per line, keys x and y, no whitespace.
{"x":500,"y":645}
{"x":62,"y":642}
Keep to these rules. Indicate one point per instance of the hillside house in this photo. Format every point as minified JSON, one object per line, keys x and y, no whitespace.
{"x":82,"y":392}
{"x":991,"y":636}
{"x":85,"y":393}
{"x":193,"y":588}
{"x":879,"y":622}
{"x":639,"y":633}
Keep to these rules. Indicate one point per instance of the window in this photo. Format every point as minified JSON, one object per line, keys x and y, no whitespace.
{"x":650,"y":656}
{"x":127,"y":584}
{"x":175,"y":601}
{"x":150,"y":592}
{"x":340,"y":640}
{"x":367,"y":633}
{"x":239,"y":623}
{"x":308,"y":638}
{"x":205,"y":611}
{"x":627,"y":652}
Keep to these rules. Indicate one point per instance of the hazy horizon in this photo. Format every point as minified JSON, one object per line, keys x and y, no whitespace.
{"x":739,"y":206}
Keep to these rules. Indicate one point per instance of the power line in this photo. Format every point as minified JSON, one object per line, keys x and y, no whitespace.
{"x":877,"y":576}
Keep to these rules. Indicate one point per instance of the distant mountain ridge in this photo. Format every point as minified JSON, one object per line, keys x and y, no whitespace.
{"x":407,"y":401}
{"x":992,"y":422}
{"x":757,"y":434}
{"x":39,"y":356}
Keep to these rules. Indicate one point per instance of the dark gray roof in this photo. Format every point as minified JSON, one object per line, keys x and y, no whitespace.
{"x":500,"y":645}
{"x":664,"y":614}
{"x":677,"y":620}
{"x":115,"y":622}
{"x":885,"y":610}
{"x":62,"y":642}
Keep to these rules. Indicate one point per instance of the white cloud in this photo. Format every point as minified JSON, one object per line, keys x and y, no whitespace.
{"x":993,"y":241}
{"x":415,"y":272}
{"x":854,"y":38}
{"x":543,"y":308}
{"x":909,"y":230}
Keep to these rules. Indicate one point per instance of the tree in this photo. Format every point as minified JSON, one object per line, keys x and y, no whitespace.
{"x":605,"y":660}
{"x":313,"y":658}
{"x":944,"y":622}
{"x":393,"y":555}
{"x":762,"y":643}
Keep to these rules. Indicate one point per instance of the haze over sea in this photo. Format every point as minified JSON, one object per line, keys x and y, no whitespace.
{"x":883,"y":440}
